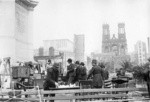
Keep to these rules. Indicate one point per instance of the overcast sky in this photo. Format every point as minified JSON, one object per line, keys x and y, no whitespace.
{"x":61,"y":19}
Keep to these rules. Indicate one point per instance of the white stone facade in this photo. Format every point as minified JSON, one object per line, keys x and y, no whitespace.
{"x":16,"y":34}
{"x":140,"y":49}
{"x":63,"y":45}
{"x":79,"y":47}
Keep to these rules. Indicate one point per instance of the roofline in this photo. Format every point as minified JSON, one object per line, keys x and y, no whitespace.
{"x":58,"y":40}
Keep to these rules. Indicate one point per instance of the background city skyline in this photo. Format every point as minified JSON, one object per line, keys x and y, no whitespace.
{"x":62,"y":19}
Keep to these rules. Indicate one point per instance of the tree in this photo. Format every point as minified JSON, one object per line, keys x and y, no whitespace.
{"x":138,"y":72}
{"x":126,"y":65}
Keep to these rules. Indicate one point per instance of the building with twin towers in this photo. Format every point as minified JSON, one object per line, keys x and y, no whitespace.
{"x":115,"y":45}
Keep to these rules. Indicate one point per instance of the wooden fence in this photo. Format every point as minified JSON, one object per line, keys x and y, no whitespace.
{"x":104,"y":95}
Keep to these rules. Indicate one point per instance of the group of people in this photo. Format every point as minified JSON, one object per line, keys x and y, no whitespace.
{"x":75,"y":73}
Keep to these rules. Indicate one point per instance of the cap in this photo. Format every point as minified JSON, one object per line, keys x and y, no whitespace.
{"x":77,"y":62}
{"x":69,"y":60}
{"x":56,"y":65}
{"x":94,"y":61}
{"x":82,"y":63}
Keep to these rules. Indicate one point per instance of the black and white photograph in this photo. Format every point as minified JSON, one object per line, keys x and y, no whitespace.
{"x":74,"y":50}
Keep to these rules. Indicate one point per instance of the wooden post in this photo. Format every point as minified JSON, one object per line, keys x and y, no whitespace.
{"x":39,"y":94}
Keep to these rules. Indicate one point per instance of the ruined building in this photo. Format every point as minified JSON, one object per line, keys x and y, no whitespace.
{"x":116,"y":45}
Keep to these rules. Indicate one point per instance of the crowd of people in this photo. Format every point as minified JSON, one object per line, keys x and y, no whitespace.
{"x":76,"y":72}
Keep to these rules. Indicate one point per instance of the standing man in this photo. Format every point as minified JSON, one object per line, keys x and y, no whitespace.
{"x":105,"y":72}
{"x":51,"y":80}
{"x":147,"y":79}
{"x":97,"y":74}
{"x":77,"y":72}
{"x":70,"y":71}
{"x":48,"y":65}
{"x":83,"y":71}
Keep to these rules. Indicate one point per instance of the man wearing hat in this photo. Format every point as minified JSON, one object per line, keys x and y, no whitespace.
{"x":51,"y":80}
{"x":70,"y":71}
{"x":97,"y":74}
{"x":147,"y":78}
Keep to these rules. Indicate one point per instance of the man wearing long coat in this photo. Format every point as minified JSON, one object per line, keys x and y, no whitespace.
{"x":83,"y":71}
{"x":147,"y":79}
{"x":51,"y":80}
{"x":70,"y":71}
{"x":97,"y":74}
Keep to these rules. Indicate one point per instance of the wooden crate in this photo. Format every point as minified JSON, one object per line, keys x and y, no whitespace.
{"x":20,"y":72}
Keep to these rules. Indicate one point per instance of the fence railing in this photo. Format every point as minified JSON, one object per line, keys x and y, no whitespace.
{"x":107,"y":95}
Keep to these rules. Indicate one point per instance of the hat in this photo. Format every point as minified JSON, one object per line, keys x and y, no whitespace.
{"x":56,"y":65}
{"x":82,"y":63}
{"x":94,"y":61}
{"x":77,"y":62}
{"x":69,"y":60}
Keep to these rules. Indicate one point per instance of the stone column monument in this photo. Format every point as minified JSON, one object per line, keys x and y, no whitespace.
{"x":16,"y":34}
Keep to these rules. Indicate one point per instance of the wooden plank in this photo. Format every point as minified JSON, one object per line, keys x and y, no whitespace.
{"x":69,"y":98}
{"x":19,"y":99}
{"x":122,"y":100}
{"x":85,"y":97}
{"x":37,"y":100}
{"x":77,"y":97}
{"x":93,"y":90}
{"x":34,"y":92}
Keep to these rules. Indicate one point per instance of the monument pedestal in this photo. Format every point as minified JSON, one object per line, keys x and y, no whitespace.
{"x":16,"y":34}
